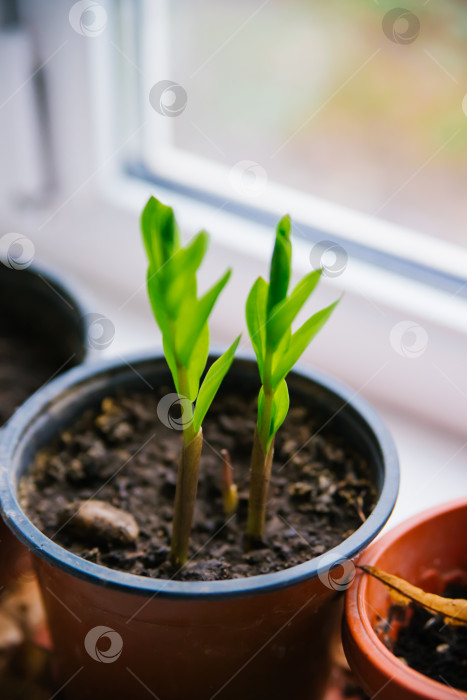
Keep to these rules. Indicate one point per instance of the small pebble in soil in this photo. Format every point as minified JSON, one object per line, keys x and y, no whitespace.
{"x":97,"y":520}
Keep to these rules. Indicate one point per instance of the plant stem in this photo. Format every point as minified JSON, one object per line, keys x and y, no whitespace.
{"x":261,"y":463}
{"x":187,"y":478}
{"x":185,"y":498}
{"x":268,"y":399}
{"x":266,"y":417}
{"x":260,"y":474}
{"x":187,"y":408}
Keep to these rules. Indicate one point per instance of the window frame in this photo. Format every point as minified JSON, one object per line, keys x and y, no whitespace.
{"x":369,"y":239}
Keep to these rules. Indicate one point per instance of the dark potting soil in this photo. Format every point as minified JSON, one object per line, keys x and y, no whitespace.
{"x":24,"y":367}
{"x":432,"y":647}
{"x":320,"y":489}
{"x":352,"y":691}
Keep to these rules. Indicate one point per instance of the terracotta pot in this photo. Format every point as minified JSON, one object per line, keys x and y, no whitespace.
{"x":36,"y":301}
{"x":428,"y":550}
{"x":116,"y":634}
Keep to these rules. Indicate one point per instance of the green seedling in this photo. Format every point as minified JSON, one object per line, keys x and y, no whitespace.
{"x":183,"y":320}
{"x":269,"y":316}
{"x":229,"y":487}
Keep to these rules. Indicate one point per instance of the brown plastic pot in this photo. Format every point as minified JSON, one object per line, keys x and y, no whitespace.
{"x":117,"y":635}
{"x":428,"y":550}
{"x":37,"y":303}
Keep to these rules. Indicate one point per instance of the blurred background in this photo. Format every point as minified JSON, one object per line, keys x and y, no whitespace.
{"x":351,"y":116}
{"x":322,"y":97}
{"x":314,"y":94}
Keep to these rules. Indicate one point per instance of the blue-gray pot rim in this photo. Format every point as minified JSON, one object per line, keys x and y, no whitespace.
{"x":17,"y":427}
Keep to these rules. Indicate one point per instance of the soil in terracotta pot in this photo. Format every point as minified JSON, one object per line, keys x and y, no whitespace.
{"x":24,"y":366}
{"x":432,"y":647}
{"x":122,"y":454}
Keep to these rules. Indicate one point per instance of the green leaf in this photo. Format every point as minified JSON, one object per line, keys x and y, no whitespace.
{"x":212,"y":383}
{"x":277,"y":356}
{"x":147,"y":218}
{"x":180,"y":273}
{"x":280,"y":408}
{"x":156,"y":299}
{"x":260,"y":410}
{"x":197,"y":363}
{"x":300,"y":341}
{"x":170,"y":359}
{"x":279,"y":275}
{"x":256,"y":319}
{"x":284,"y":313}
{"x":163,"y":321}
{"x":160,"y":233}
{"x":190,"y":258}
{"x":194,"y":316}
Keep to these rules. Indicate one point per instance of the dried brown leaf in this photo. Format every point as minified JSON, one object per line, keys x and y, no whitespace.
{"x":402,"y":592}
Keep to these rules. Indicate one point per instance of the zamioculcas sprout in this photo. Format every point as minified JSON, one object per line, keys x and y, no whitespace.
{"x":183,"y":320}
{"x":269,"y":316}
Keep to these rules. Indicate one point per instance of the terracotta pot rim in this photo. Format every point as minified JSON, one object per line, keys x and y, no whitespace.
{"x":358,"y":622}
{"x":39,"y":408}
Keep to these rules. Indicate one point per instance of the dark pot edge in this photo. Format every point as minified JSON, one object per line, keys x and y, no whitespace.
{"x":72,"y":293}
{"x":56,"y":555}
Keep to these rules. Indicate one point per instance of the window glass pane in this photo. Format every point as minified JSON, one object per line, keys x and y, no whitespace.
{"x":343,"y":99}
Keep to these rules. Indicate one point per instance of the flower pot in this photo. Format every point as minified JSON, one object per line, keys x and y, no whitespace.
{"x":36,"y":305}
{"x":38,"y":308}
{"x":119,"y":635}
{"x":427,"y":550}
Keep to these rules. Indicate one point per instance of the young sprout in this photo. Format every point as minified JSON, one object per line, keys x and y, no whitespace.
{"x":269,"y":316}
{"x":229,"y":487}
{"x":183,"y":320}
